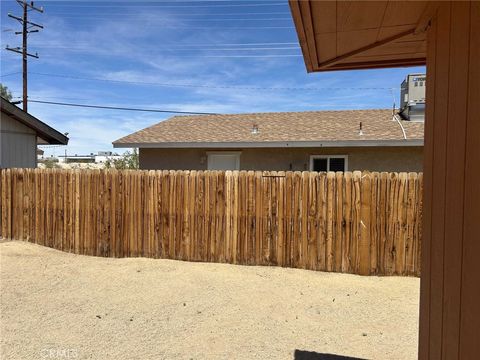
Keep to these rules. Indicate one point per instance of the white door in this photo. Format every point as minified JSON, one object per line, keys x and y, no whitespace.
{"x":224,"y":161}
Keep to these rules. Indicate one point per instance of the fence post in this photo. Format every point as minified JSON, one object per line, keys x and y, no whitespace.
{"x":365,"y":220}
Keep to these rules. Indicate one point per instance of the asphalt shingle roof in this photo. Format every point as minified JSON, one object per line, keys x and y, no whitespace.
{"x":277,"y":127}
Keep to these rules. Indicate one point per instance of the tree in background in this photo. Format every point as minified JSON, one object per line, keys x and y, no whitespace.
{"x":6,"y":94}
{"x":50,"y":164}
{"x":128,"y":162}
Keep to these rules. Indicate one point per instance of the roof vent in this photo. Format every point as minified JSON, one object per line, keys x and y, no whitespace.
{"x":255,"y":129}
{"x":360,"y":130}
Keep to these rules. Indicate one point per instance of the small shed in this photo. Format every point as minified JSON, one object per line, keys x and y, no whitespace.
{"x":20,"y":134}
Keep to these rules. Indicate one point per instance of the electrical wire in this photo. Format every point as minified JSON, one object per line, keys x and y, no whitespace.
{"x":220,"y":28}
{"x":193,"y":46}
{"x":201,"y":20}
{"x":171,"y":14}
{"x":246,"y":56}
{"x":51,"y":56}
{"x":69,"y":48}
{"x":120,"y":108}
{"x":161,"y":6}
{"x":208,"y":86}
{"x":14,"y":73}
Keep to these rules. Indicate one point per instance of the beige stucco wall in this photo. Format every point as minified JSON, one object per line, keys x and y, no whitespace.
{"x":282,"y":159}
{"x":18,"y":144}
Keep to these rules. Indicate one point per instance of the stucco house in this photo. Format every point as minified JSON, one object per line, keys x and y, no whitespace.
{"x":20,"y":133}
{"x":375,"y":140}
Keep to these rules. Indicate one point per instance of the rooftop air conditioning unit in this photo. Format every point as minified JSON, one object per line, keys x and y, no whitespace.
{"x":412,"y":97}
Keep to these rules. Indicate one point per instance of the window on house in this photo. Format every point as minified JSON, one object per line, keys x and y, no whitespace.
{"x":320,"y":164}
{"x":328,"y":163}
{"x":336,"y":164}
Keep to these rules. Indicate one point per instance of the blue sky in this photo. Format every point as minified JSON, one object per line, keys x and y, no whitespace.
{"x":210,"y":47}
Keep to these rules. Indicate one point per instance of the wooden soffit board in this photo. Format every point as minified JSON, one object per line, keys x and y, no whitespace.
{"x":344,"y":35}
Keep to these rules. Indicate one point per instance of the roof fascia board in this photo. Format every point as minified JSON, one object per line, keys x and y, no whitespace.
{"x":302,"y":38}
{"x":307,"y":24}
{"x":274,"y":144}
{"x":43,"y":130}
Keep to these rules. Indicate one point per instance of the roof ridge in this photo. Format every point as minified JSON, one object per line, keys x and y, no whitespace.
{"x":279,"y":112}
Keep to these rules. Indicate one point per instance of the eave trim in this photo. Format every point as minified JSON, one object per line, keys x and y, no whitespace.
{"x":302,"y":38}
{"x":273,"y":144}
{"x":44,"y":131}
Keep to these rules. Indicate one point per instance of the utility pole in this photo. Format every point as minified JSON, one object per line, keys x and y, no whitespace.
{"x":26,"y":29}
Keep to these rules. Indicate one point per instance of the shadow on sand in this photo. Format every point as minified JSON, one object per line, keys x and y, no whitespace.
{"x":312,"y":355}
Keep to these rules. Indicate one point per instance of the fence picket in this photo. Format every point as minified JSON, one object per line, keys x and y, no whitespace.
{"x":364,"y":223}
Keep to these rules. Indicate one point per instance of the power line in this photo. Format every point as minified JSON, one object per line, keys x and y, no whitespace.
{"x":49,"y":146}
{"x":201,"y":20}
{"x":166,"y":2}
{"x":159,"y":6}
{"x":244,"y":56}
{"x":122,"y":108}
{"x":199,"y":52}
{"x":105,"y":53}
{"x":41,"y":97}
{"x":210,"y":56}
{"x":71,"y":14}
{"x":241,"y":44}
{"x":14,"y":73}
{"x":178,"y":49}
{"x":156,"y":26}
{"x":218,"y":27}
{"x":211,"y":86}
{"x":194,"y":46}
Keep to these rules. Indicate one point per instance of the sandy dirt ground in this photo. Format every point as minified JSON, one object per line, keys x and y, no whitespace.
{"x":56,"y":305}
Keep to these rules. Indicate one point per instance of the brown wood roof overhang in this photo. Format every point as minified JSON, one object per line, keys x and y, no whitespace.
{"x":345,"y":35}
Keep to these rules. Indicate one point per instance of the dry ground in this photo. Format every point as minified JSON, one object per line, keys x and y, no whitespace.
{"x":62,"y":306}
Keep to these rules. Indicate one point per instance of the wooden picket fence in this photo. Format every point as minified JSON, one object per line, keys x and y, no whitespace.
{"x":362,"y":223}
